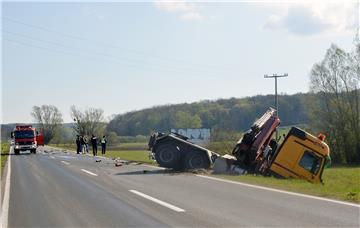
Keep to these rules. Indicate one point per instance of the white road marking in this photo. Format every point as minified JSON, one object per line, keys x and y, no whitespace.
{"x":155,"y":167}
{"x":172,"y":207}
{"x":5,"y":203}
{"x":88,"y":172}
{"x":52,"y":157}
{"x":66,"y":163}
{"x":281,"y":191}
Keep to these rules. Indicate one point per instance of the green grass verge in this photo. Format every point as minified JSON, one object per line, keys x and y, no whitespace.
{"x":131,"y":155}
{"x":5,"y":148}
{"x":342,"y":183}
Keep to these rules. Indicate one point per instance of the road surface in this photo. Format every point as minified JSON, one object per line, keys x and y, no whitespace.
{"x":55,"y":188}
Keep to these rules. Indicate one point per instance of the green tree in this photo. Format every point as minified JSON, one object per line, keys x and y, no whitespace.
{"x":336,"y":107}
{"x":186,"y":120}
{"x":88,"y":122}
{"x":49,"y":118}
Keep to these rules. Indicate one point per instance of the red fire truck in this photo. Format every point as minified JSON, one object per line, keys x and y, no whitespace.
{"x":26,"y":137}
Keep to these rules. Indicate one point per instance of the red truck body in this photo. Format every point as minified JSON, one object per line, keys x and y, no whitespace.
{"x":26,"y":137}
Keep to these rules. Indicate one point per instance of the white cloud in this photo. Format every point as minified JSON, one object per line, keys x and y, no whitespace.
{"x":185,"y":10}
{"x":314,"y":17}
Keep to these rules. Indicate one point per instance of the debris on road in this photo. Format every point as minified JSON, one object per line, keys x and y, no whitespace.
{"x":119,"y":162}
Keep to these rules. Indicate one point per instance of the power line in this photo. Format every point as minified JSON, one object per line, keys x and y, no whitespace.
{"x":137,"y":67}
{"x":70,"y":36}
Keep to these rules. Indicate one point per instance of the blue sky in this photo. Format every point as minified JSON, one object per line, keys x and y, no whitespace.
{"x":128,"y":56}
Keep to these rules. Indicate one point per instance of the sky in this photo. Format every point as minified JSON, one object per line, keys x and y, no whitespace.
{"x":126,"y":56}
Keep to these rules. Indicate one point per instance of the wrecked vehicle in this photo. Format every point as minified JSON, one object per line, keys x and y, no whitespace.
{"x":300,"y":155}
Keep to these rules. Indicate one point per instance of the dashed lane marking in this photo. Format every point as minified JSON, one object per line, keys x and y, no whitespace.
{"x":162,"y":203}
{"x":88,"y":172}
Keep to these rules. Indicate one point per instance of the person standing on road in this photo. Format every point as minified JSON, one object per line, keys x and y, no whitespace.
{"x":103,"y":145}
{"x":94,"y":143}
{"x":86,"y":145}
{"x":83,"y":144}
{"x":77,"y":144}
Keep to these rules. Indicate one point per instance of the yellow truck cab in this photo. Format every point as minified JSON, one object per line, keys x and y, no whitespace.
{"x":301,"y":155}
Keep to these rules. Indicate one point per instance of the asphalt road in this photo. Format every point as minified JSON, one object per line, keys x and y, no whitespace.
{"x":55,"y":188}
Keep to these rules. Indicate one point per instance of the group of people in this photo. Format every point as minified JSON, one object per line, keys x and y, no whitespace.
{"x":82,"y":144}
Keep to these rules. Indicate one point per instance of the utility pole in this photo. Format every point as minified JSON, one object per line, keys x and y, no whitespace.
{"x":357,"y":24}
{"x":275,"y":76}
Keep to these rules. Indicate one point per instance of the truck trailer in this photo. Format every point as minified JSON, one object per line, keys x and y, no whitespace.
{"x":300,"y":155}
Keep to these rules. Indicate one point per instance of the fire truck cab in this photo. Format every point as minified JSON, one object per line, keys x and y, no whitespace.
{"x":26,"y":137}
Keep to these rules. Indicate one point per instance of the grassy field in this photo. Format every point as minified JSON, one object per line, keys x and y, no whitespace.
{"x":5,"y":147}
{"x":341,"y":183}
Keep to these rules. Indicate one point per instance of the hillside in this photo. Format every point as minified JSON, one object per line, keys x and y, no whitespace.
{"x":234,"y":114}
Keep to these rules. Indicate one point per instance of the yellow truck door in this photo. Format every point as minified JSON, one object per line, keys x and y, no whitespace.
{"x":301,"y":155}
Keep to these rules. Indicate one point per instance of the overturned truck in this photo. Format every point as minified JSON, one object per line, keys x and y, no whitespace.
{"x":300,"y":155}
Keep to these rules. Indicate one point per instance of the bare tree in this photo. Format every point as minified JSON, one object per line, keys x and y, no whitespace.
{"x":336,"y":81}
{"x":49,"y":118}
{"x":88,"y":122}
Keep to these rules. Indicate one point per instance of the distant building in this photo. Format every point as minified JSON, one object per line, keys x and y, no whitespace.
{"x":198,"y":136}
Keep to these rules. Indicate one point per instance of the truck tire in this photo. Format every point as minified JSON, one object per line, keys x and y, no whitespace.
{"x":33,"y":151}
{"x":196,"y":160}
{"x":17,"y":152}
{"x":168,"y":156}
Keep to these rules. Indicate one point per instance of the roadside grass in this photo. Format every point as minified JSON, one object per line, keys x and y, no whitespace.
{"x":129,"y":146}
{"x":131,"y":155}
{"x":5,"y":148}
{"x":342,"y":183}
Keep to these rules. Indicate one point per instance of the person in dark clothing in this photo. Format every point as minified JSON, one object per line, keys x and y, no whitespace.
{"x":77,"y":144}
{"x":86,"y":146}
{"x":82,"y":144}
{"x":103,"y":145}
{"x":94,"y":143}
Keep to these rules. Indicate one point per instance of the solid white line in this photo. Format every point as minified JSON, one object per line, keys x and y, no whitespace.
{"x":172,"y":207}
{"x":88,"y":172}
{"x":5,"y":203}
{"x":281,"y":191}
{"x":52,"y":157}
{"x":155,"y":167}
{"x":66,"y":163}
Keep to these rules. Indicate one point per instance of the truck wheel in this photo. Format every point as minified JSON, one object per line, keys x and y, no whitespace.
{"x":17,"y":152}
{"x":168,"y":156}
{"x":196,"y":160}
{"x":33,"y":151}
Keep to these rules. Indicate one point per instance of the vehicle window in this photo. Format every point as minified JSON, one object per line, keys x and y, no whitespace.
{"x":24,"y":134}
{"x":310,"y":162}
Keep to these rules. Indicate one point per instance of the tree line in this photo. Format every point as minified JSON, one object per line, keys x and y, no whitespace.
{"x":234,"y":114}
